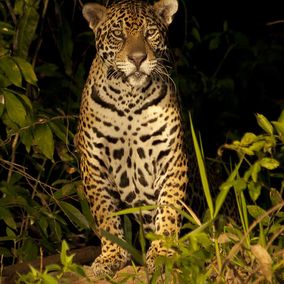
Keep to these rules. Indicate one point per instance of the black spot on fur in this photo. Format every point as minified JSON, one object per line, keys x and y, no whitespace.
{"x":130,"y":197}
{"x":118,"y":154}
{"x":124,"y":180}
{"x":141,"y":153}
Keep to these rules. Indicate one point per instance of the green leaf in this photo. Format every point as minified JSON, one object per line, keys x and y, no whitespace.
{"x":236,"y":146}
{"x":52,"y":268}
{"x":275,"y":196}
{"x":68,"y":189}
{"x":13,"y":201}
{"x":15,"y":108}
{"x":281,"y":117}
{"x":225,"y":187}
{"x":10,"y":233}
{"x":279,"y":126}
{"x":48,"y":279}
{"x":255,"y":169}
{"x":11,"y":70}
{"x":264,"y":123}
{"x":74,"y":215}
{"x":254,"y":189}
{"x":4,"y":81}
{"x":43,"y":224}
{"x":7,"y":217}
{"x":26,"y":28}
{"x":19,"y":7}
{"x":55,"y":229}
{"x":34,"y":272}
{"x":85,"y":206}
{"x":27,"y":70}
{"x":248,"y":139}
{"x":64,"y":153}
{"x":65,"y":259}
{"x":27,"y":138}
{"x":269,"y":163}
{"x":134,"y":210}
{"x":196,"y":34}
{"x":26,"y":100}
{"x":59,"y":130}
{"x":222,"y":196}
{"x":257,"y":146}
{"x":256,"y":211}
{"x":127,"y":226}
{"x":190,"y":45}
{"x":240,"y":184}
{"x":44,"y":140}
{"x":214,"y":43}
{"x":29,"y":250}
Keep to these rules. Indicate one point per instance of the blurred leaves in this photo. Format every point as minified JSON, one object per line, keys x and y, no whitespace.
{"x":15,"y":108}
{"x":38,"y":168}
{"x":28,"y":22}
{"x":44,"y":140}
{"x":10,"y":69}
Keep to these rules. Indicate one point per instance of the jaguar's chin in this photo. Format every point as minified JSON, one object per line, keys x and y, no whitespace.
{"x":137,"y":79}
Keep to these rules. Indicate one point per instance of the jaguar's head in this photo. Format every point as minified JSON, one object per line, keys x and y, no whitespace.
{"x":131,"y":37}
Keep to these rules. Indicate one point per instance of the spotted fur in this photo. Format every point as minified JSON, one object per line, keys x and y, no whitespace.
{"x":130,"y":135}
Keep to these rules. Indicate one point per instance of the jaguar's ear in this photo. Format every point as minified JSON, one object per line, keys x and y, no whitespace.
{"x":166,"y":9}
{"x":94,"y":14}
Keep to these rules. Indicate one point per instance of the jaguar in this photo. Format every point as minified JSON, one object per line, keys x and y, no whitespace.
{"x":130,"y":135}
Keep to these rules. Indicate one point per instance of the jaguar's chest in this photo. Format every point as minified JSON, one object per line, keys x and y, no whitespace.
{"x":130,"y":136}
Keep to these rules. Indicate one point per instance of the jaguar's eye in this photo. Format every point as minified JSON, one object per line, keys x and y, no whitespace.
{"x":150,"y":32}
{"x":117,"y":33}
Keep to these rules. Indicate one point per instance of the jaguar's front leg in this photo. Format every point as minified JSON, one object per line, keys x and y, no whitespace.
{"x":103,"y":203}
{"x":168,"y":219}
{"x":112,"y":257}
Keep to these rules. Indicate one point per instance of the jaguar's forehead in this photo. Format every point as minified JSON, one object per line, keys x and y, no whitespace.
{"x":131,"y":15}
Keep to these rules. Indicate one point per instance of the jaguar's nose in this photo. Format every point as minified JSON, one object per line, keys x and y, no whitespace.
{"x":137,"y":58}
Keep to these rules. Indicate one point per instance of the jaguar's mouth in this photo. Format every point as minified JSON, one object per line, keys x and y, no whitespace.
{"x":138,"y":74}
{"x":137,"y":78}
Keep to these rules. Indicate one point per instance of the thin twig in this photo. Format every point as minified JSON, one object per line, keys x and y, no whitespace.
{"x":13,"y":157}
{"x":11,"y":11}
{"x":223,"y":60}
{"x":275,"y":22}
{"x":39,"y":42}
{"x":38,"y":122}
{"x":22,"y":170}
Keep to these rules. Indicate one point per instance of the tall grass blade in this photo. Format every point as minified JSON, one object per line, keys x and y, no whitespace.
{"x":225,"y":187}
{"x":202,"y":170}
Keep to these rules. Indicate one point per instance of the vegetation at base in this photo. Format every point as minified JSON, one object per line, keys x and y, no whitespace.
{"x":36,"y":276}
{"x":45,"y":52}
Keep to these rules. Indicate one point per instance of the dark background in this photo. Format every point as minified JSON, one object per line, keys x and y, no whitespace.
{"x":250,"y":77}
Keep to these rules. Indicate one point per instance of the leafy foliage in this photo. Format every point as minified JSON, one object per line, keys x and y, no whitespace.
{"x":40,"y":184}
{"x":46,"y":277}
